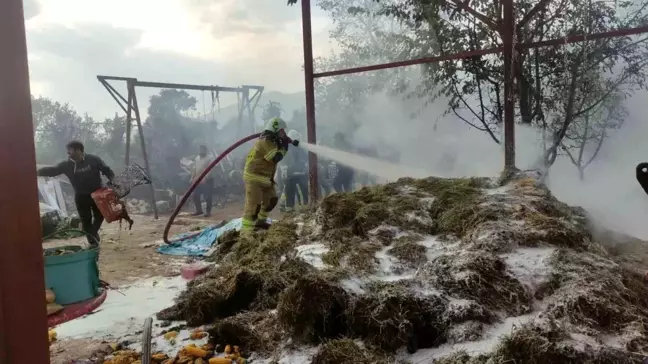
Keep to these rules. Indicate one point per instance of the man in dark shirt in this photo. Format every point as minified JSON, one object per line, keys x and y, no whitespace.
{"x":83,"y":170}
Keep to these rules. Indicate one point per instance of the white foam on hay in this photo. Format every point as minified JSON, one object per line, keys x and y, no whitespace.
{"x":296,"y":356}
{"x":530,"y":266}
{"x":492,"y":336}
{"x":124,"y":312}
{"x":312,"y":254}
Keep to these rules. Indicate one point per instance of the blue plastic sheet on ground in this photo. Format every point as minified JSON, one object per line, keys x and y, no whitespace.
{"x":200,"y":244}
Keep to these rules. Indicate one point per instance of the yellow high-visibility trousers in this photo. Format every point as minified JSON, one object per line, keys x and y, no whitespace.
{"x":260,"y":199}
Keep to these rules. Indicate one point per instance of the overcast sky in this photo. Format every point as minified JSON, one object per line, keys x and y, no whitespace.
{"x":213,"y":42}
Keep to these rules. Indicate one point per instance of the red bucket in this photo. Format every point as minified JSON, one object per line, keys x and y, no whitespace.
{"x":108,"y":203}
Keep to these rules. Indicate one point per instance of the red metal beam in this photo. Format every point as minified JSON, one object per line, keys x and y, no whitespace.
{"x":313,"y":181}
{"x":410,"y":62}
{"x":23,"y":318}
{"x":585,"y":37}
{"x":468,"y":54}
{"x":506,"y":32}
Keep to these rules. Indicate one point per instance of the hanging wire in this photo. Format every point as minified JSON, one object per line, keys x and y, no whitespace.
{"x":204,"y":115}
{"x":217,"y":97}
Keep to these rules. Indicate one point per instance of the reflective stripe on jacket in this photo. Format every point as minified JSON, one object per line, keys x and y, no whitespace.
{"x":259,"y":164}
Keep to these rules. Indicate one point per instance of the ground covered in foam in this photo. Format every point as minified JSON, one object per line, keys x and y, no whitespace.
{"x":450,"y":270}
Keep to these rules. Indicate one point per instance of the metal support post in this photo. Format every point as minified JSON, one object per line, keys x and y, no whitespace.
{"x":131,"y":89}
{"x":129,"y":126}
{"x":506,"y":32}
{"x":313,"y":181}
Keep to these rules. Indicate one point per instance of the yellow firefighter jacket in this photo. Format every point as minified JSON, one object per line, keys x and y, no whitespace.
{"x":259,"y":164}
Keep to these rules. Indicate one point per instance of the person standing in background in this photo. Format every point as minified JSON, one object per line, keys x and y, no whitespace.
{"x":84,"y":172}
{"x":206,"y":187}
{"x":297,"y":174}
{"x":365,"y":178}
{"x":343,"y":181}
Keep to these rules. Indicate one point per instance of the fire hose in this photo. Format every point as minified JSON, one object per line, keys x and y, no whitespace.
{"x":195,"y":184}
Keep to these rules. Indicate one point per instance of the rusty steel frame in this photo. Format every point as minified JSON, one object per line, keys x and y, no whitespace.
{"x":309,"y":79}
{"x":130,"y":106}
{"x":506,"y":30}
{"x":22,"y":277}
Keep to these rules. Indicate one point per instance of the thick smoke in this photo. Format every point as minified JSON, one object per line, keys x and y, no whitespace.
{"x":444,"y":145}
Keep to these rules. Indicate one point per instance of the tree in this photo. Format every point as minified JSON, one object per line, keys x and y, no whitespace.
{"x":584,"y":140}
{"x":56,"y":124}
{"x":552,"y":84}
{"x":364,"y":36}
{"x":114,"y":144}
{"x":169,"y":133}
{"x":271,"y":110}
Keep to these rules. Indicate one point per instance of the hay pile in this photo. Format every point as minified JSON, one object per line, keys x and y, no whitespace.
{"x":458,"y":270}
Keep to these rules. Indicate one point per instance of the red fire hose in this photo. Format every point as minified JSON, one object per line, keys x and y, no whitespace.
{"x":195,"y":183}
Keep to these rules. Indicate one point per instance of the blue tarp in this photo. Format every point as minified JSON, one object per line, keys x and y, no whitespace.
{"x":199,"y":244}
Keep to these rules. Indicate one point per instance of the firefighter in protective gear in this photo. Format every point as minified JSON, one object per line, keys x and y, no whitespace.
{"x":258,"y":175}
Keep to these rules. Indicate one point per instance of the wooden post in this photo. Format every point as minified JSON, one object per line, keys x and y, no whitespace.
{"x":23,"y":316}
{"x":309,"y":80}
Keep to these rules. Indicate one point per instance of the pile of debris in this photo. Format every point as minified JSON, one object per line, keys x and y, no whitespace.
{"x":456,"y":270}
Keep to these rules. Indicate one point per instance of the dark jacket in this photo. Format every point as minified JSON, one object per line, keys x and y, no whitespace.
{"x":84,"y":175}
{"x":297,"y":162}
{"x":344,"y":171}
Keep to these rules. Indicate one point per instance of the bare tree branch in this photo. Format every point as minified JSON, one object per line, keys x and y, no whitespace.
{"x":536,"y":9}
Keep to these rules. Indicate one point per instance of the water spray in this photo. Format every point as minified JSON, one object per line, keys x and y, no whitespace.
{"x":380,"y":168}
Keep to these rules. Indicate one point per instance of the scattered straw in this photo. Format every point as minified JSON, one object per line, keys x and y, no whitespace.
{"x":481,"y":277}
{"x":408,"y":250}
{"x":254,"y":331}
{"x":313,"y":309}
{"x":393,"y":320}
{"x":346,"y":351}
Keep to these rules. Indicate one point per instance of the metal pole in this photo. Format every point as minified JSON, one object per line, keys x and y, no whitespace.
{"x":245,"y":104}
{"x":129,"y":123}
{"x":313,"y":182}
{"x":22,"y":279}
{"x":239,"y":107}
{"x":144,"y":155}
{"x":506,"y":33}
{"x":410,"y":62}
{"x":250,"y":113}
{"x":112,"y":93}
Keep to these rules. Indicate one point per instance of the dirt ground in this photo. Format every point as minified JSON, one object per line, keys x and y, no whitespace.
{"x":65,"y":352}
{"x":127,"y":256}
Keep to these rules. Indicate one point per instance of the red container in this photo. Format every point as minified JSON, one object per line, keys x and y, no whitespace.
{"x":108,"y":203}
{"x":191,"y":271}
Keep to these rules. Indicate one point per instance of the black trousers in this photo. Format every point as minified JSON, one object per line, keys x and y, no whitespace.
{"x":292,"y":183}
{"x":343,"y":181}
{"x":91,"y":218}
{"x":325,"y":186}
{"x":205,"y":189}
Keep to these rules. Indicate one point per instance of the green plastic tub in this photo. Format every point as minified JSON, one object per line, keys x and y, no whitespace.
{"x":73,"y":277}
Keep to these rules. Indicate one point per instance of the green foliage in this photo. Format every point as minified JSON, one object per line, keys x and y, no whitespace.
{"x":55,"y":124}
{"x":272,"y":110}
{"x":364,"y":36}
{"x":557,"y":87}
